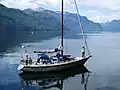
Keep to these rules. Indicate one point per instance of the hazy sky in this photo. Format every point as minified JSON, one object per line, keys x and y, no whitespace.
{"x":96,"y":10}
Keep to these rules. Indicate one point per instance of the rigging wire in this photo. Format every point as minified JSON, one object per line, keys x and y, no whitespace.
{"x":81,"y":27}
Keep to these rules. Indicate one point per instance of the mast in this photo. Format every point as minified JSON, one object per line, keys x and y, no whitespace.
{"x":62,"y":29}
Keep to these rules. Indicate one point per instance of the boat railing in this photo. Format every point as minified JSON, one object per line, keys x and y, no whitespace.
{"x":44,"y":58}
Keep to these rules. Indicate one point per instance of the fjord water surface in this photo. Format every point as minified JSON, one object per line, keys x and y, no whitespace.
{"x":104,"y":65}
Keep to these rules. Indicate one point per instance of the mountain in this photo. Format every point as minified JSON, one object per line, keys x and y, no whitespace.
{"x":46,"y":17}
{"x":71,"y":20}
{"x":49,"y":20}
{"x":113,"y":26}
{"x":1,"y":5}
{"x":18,"y":26}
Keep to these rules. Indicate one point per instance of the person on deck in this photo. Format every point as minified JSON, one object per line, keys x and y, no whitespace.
{"x":30,"y":60}
{"x":58,"y":49}
{"x":22,"y":60}
{"x":83,"y":51}
{"x":26,"y":59}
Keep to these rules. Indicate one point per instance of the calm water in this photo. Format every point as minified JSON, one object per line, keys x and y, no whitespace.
{"x":104,"y":66}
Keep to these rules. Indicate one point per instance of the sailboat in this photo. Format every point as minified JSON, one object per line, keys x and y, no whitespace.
{"x":59,"y":62}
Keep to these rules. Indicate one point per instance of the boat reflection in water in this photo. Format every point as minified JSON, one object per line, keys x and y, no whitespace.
{"x":53,"y":79}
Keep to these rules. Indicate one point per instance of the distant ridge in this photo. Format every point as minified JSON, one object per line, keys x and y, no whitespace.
{"x":113,"y":26}
{"x":1,"y":5}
